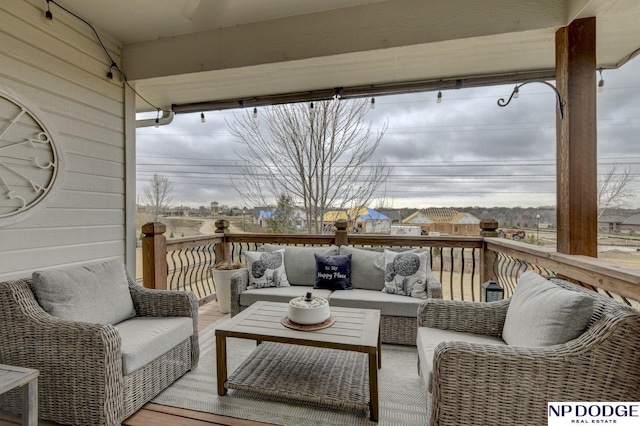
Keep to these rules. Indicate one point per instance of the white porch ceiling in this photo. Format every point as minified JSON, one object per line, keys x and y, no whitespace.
{"x":188,"y":51}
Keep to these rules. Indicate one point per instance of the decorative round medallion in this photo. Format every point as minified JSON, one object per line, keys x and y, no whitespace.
{"x":30,"y":163}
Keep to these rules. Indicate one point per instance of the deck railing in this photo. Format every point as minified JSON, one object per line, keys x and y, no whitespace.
{"x":460,"y":263}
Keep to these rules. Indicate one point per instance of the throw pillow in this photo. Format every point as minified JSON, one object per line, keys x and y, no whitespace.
{"x":333,"y":272}
{"x":95,"y":293}
{"x":542,"y":314}
{"x":266,"y":269}
{"x":407,"y":274}
{"x":299,"y":261}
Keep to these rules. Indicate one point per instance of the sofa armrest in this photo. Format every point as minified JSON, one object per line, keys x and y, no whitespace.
{"x":434,"y":288}
{"x":162,"y":303}
{"x":71,"y":357}
{"x":239,"y":283}
{"x":510,"y":374}
{"x":468,"y":317}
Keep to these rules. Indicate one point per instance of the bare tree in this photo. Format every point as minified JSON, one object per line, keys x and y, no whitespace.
{"x":158,"y":194}
{"x":615,"y":188}
{"x":316,"y":156}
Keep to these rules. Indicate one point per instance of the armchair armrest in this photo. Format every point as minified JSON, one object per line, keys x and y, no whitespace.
{"x":239,"y":283}
{"x":598,"y":366}
{"x":162,"y":303}
{"x":71,"y":356}
{"x":468,"y":317}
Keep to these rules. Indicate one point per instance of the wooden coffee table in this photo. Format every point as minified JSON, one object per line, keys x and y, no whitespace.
{"x":12,"y":377}
{"x":356,"y":330}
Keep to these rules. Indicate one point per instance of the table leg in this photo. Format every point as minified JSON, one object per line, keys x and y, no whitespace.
{"x":30,"y":403}
{"x":379,"y":349}
{"x":221,"y":363}
{"x":373,"y":387}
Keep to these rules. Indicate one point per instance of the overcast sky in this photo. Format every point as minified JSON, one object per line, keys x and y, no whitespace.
{"x":464,"y":151}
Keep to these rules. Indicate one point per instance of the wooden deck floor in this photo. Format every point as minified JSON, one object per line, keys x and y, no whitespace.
{"x":154,"y":414}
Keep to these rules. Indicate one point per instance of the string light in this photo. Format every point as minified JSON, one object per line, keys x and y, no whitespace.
{"x":311,"y":110}
{"x":373,"y":103}
{"x":336,"y":93}
{"x":601,"y":82}
{"x":49,"y":17}
{"x":202,"y":120}
{"x":157,"y":118}
{"x":255,"y":113}
{"x":516,"y":92}
{"x":439,"y":97}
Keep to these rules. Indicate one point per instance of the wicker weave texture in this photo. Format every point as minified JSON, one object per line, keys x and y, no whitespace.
{"x":480,"y":384}
{"x":325,"y":377}
{"x":80,"y":364}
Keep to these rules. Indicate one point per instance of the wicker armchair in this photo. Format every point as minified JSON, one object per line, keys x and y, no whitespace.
{"x":482,"y":384}
{"x":81,"y":378}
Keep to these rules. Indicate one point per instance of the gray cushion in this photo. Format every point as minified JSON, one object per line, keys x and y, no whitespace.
{"x":146,"y":338}
{"x":300,"y":262}
{"x":388,"y":304}
{"x":279,"y":294}
{"x":94,"y":293}
{"x":367,"y":268}
{"x":542,"y":314}
{"x":427,"y":340}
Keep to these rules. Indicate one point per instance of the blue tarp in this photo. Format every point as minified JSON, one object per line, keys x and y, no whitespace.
{"x":373,"y":215}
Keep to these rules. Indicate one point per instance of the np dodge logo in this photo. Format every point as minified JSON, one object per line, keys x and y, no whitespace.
{"x":574,"y":413}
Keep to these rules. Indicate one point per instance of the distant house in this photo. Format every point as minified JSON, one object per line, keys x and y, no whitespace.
{"x":262,"y":216}
{"x":631,"y":224}
{"x":612,"y":223}
{"x":362,"y":219}
{"x":444,"y":221}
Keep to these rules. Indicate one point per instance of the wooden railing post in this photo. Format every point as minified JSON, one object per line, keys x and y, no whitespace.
{"x":223,"y":250}
{"x":488,"y":228}
{"x":342,"y":239}
{"x":154,"y":256}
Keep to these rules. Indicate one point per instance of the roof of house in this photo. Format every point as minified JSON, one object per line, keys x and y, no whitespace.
{"x":633,"y":220}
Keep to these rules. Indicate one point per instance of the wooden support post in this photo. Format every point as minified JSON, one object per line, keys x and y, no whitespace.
{"x":576,"y":156}
{"x":488,"y":228}
{"x":342,"y":239}
{"x":223,"y":250}
{"x":154,"y":256}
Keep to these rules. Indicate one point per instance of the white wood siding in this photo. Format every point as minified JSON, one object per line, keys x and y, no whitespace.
{"x":62,"y":69}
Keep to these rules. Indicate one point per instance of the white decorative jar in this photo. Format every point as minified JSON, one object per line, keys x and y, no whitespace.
{"x":309,"y":310}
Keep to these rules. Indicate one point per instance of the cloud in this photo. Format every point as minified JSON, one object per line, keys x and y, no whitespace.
{"x":464,"y":151}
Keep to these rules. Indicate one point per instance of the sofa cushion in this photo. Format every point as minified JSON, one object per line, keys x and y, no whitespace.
{"x":266,"y":269}
{"x":427,"y":340}
{"x":279,"y":294}
{"x":367,"y":268}
{"x":146,"y":338}
{"x":407,"y":274}
{"x":333,"y":272}
{"x":300,"y":263}
{"x":94,"y":293}
{"x":543,"y":314}
{"x":388,"y":304}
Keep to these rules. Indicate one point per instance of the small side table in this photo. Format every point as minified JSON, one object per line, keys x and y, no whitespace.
{"x":13,"y":377}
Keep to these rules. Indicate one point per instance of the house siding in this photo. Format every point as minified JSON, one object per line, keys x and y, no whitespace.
{"x":61,"y":68}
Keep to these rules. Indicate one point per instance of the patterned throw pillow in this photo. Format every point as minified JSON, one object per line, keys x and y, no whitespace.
{"x":333,"y":272}
{"x":407,"y":274}
{"x":266,"y":269}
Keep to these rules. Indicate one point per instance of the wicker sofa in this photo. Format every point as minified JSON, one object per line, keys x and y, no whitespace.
{"x":83,"y":366}
{"x":398,"y":323}
{"x":473,"y":377}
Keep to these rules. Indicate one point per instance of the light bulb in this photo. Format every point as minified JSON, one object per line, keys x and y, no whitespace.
{"x":255,"y":112}
{"x":439,"y":98}
{"x":157,"y":123}
{"x":202,"y":119}
{"x":373,"y":103}
{"x":516,"y":92}
{"x":601,"y":82}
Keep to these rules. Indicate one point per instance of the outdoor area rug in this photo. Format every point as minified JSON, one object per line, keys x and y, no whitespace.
{"x":402,"y":400}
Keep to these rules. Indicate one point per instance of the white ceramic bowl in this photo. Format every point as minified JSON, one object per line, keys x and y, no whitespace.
{"x":306,"y":313}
